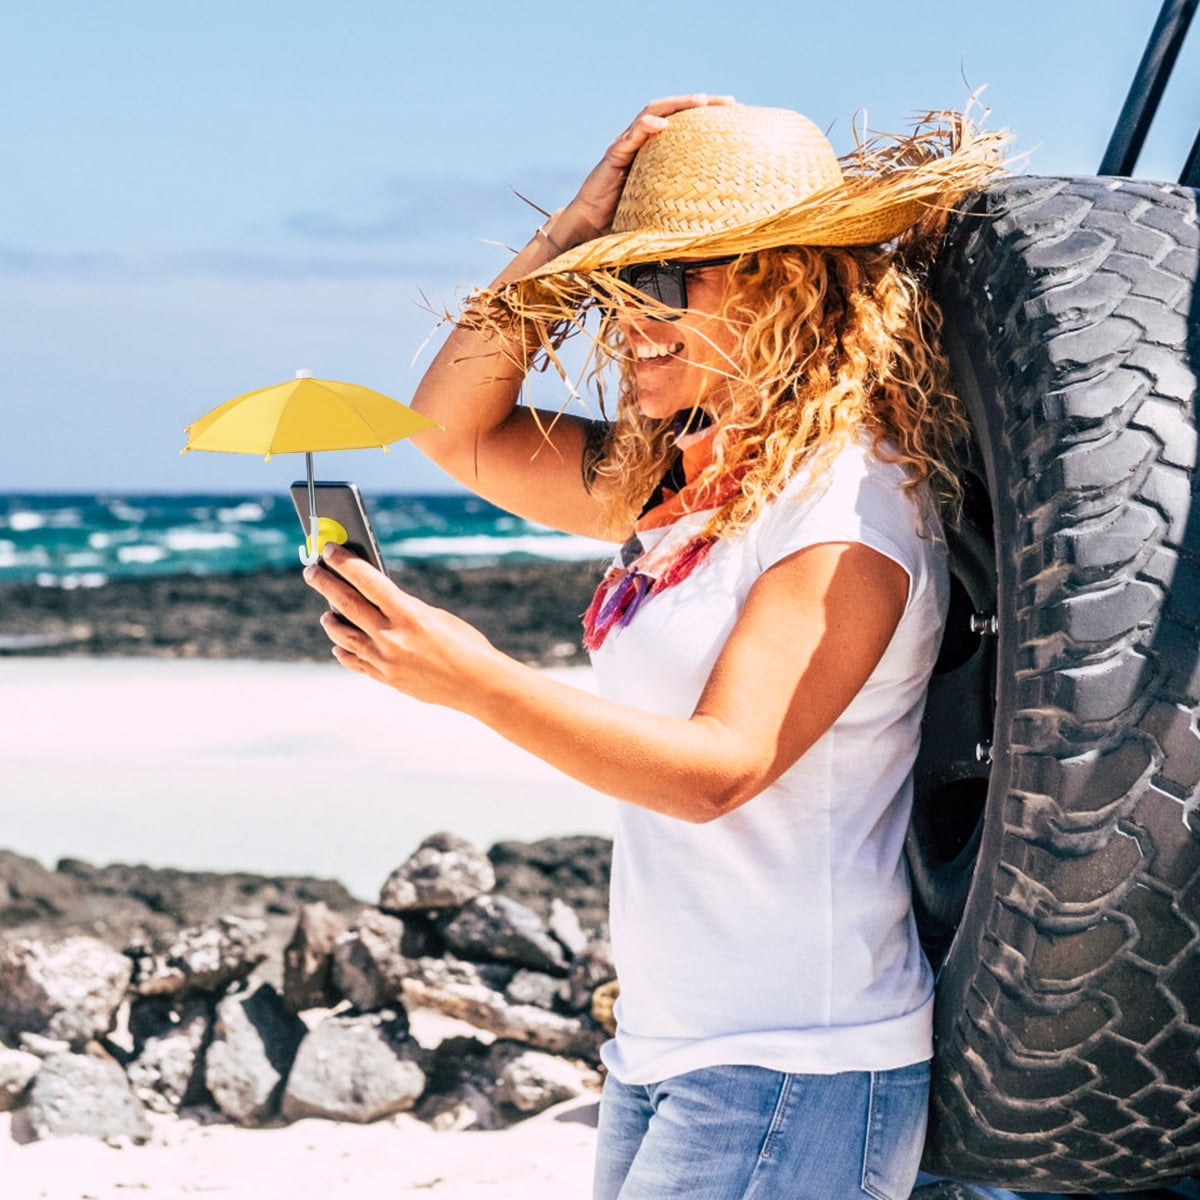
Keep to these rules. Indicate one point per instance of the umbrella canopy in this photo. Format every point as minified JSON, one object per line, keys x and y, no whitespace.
{"x":301,"y":416}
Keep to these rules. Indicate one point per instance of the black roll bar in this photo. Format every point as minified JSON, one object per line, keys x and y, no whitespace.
{"x":1191,"y":168}
{"x":1146,"y":91}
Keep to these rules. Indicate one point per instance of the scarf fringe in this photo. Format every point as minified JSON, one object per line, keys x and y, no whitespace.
{"x":688,"y":559}
{"x":623,"y":590}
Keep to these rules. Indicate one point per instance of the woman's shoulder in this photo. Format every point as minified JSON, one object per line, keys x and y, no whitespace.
{"x":861,"y":462}
{"x":860,"y":495}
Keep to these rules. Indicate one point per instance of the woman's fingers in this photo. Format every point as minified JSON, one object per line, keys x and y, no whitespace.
{"x":399,"y":640}
{"x":352,"y":662}
{"x":362,"y":578}
{"x":363,"y":595}
{"x":664,"y":106}
{"x":600,"y":191}
{"x":341,"y":596}
{"x":653,"y":118}
{"x":347,"y":637}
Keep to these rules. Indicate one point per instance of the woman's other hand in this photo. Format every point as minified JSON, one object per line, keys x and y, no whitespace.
{"x":596,"y":201}
{"x":395,"y":638}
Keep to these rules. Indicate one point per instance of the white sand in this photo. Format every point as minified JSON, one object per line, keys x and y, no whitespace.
{"x":548,"y":1157}
{"x":290,"y":768}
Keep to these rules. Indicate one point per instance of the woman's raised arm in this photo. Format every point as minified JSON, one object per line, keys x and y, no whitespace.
{"x":488,"y":442}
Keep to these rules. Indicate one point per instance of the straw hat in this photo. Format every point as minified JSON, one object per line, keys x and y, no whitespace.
{"x":730,"y":179}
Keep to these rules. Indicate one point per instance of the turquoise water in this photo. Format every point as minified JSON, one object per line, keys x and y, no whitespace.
{"x":85,"y":540}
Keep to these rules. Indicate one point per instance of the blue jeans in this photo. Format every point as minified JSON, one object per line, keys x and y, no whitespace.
{"x":747,"y":1133}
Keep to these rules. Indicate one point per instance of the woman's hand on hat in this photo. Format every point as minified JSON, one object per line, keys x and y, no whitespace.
{"x":596,"y":201}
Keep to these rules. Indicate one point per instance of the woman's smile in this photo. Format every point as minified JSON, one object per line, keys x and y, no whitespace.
{"x":653,"y":352}
{"x":679,"y":363}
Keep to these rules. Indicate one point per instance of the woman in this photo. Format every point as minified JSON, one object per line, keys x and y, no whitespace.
{"x":763,"y":640}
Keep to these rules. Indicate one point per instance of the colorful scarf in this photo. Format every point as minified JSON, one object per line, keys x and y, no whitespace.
{"x":643,"y":573}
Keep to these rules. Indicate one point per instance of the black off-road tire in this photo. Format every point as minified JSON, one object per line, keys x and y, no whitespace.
{"x":1068,"y":1002}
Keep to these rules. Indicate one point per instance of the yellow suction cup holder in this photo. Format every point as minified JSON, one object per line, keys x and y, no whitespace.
{"x":328,"y":530}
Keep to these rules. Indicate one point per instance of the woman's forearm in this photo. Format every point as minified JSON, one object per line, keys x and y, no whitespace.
{"x":808,"y":636}
{"x":694,"y":769}
{"x":474,"y":381}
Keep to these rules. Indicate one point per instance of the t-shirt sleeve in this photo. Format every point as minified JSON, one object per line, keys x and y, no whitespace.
{"x":861,"y":500}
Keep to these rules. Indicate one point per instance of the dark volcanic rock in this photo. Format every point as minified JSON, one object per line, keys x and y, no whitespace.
{"x":371,"y":958}
{"x":69,"y":990}
{"x":530,"y":1081}
{"x":254,"y":1042}
{"x":78,"y":1094}
{"x":534,"y":987}
{"x":499,"y":929}
{"x":30,"y":892}
{"x":167,"y":1070}
{"x":528,"y":609}
{"x":575,"y":869}
{"x":589,"y":970}
{"x":139,"y":905}
{"x":201,"y":897}
{"x":473,"y":992}
{"x":201,"y":960}
{"x":473,"y":1086}
{"x":308,"y":959}
{"x":459,"y":1091}
{"x":444,"y":871}
{"x":563,"y":923}
{"x":355,"y":1068}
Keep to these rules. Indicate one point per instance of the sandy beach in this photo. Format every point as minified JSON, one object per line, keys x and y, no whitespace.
{"x":263,"y":766}
{"x":548,"y":1157}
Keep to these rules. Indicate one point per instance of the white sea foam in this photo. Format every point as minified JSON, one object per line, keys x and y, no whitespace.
{"x":268,"y":537}
{"x":124,"y":511}
{"x":30,"y":556}
{"x":556,"y":546}
{"x":140,"y":554}
{"x":83,"y":579}
{"x":183,"y":540}
{"x":118,"y":536}
{"x":249,"y":511}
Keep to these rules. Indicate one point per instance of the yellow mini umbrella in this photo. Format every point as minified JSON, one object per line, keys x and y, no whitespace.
{"x":302,"y":416}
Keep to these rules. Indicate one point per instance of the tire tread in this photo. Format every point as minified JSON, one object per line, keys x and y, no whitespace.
{"x":1068,"y":1010}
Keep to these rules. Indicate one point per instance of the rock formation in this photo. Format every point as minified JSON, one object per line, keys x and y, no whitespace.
{"x":287,"y":998}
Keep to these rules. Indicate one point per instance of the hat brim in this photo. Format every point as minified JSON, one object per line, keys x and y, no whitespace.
{"x":884,"y":193}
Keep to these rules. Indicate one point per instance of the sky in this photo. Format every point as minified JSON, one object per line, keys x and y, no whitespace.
{"x":200,"y":198}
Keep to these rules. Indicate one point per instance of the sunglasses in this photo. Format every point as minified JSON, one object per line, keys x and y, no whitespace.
{"x":666,"y":281}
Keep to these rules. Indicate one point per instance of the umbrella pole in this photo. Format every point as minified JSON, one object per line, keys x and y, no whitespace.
{"x":311,"y":553}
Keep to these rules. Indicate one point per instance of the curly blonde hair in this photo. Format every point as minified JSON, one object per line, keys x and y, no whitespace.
{"x":834,"y":343}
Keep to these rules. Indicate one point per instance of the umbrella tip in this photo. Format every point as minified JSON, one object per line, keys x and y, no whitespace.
{"x":304,"y":373}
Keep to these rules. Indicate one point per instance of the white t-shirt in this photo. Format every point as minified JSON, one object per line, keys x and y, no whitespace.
{"x":780,"y":935}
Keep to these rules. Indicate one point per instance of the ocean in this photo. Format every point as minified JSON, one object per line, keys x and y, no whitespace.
{"x":72,"y":541}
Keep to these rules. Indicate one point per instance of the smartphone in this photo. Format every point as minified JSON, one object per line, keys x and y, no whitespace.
{"x":343,"y":517}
